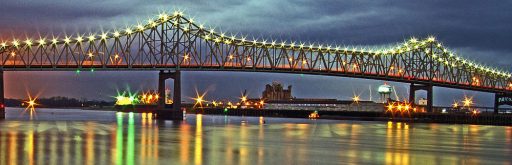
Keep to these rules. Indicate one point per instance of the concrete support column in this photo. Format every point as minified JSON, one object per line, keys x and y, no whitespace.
{"x":412,"y":94}
{"x":177,"y":91}
{"x":430,"y":94}
{"x":175,"y":113}
{"x":496,"y":103}
{"x":2,"y":99}
{"x":430,"y":99}
{"x":161,"y":89}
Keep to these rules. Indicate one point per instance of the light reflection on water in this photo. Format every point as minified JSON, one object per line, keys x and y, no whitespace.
{"x":94,"y":137}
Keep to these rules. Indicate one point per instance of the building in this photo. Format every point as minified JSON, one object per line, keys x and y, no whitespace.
{"x":276,"y":97}
{"x":275,"y":91}
{"x":324,"y":105}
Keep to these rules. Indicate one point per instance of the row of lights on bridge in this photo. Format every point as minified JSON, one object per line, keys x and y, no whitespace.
{"x":221,"y":38}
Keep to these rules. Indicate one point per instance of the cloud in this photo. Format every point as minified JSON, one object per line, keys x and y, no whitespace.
{"x":474,"y":29}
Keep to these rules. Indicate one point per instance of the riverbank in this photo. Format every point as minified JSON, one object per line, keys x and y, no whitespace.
{"x":448,"y":118}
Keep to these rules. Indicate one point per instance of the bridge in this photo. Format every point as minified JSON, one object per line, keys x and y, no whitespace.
{"x":173,"y":42}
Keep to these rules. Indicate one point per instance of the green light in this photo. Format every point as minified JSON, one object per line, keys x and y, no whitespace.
{"x":77,"y":71}
{"x":225,"y":110}
{"x":92,"y":69}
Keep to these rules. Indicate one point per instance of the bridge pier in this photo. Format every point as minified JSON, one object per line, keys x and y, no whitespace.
{"x":501,"y":99}
{"x":2,"y":99}
{"x":175,"y":113}
{"x":412,"y":94}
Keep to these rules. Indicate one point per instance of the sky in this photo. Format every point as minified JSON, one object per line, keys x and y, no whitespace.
{"x":477,"y":30}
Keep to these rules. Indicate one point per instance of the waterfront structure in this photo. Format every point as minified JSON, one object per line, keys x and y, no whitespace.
{"x":173,"y":42}
{"x":324,"y":105}
{"x":275,"y":91}
{"x":385,"y":92}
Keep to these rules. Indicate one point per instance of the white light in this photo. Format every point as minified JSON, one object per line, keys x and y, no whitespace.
{"x":15,"y":43}
{"x":54,"y":41}
{"x":140,"y":27}
{"x":117,"y":34}
{"x":91,"y":38}
{"x":28,"y":42}
{"x":103,"y":36}
{"x":128,"y":31}
{"x":67,"y":40}
{"x":79,"y":39}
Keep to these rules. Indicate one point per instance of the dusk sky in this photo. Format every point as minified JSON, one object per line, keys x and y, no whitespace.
{"x":477,"y":30}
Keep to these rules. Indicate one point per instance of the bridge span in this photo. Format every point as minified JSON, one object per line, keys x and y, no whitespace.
{"x":175,"y":42}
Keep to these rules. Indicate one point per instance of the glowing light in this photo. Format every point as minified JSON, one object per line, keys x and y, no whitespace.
{"x":123,"y":100}
{"x":67,"y":40}
{"x":199,"y":100}
{"x":90,"y":54}
{"x":103,"y":36}
{"x":140,"y":27}
{"x":31,"y":103}
{"x":356,"y":99}
{"x":28,"y":42}
{"x":91,"y":38}
{"x":117,"y":34}
{"x":128,"y":31}
{"x":15,"y":43}
{"x":467,"y":101}
{"x":455,"y":104}
{"x":431,"y":39}
{"x":41,"y":42}
{"x":3,"y":44}
{"x":79,"y":39}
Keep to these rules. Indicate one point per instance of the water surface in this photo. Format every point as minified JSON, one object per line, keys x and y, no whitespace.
{"x":68,"y":136}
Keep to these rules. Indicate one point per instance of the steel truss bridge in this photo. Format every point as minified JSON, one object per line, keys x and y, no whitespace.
{"x":174,"y":42}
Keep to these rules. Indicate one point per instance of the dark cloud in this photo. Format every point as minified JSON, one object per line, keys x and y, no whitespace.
{"x":479,"y":30}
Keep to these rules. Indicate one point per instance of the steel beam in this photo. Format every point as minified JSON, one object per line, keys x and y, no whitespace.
{"x":2,"y":99}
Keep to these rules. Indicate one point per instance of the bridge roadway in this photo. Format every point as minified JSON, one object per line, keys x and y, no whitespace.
{"x":174,"y":42}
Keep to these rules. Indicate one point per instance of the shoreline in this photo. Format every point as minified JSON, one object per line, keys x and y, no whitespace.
{"x":452,"y":118}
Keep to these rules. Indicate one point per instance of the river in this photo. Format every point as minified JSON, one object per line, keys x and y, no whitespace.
{"x":71,"y":136}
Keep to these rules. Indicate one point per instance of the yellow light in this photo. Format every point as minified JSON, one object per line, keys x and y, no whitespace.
{"x":128,"y":31}
{"x":244,"y":98}
{"x":4,"y":44}
{"x":116,"y":34}
{"x":15,"y":43}
{"x":67,"y":40}
{"x":91,"y":38}
{"x":355,"y":99}
{"x":28,"y":42}
{"x":90,"y":54}
{"x":79,"y":39}
{"x":140,"y":27}
{"x":54,"y":41}
{"x":199,"y":99}
{"x":41,"y":41}
{"x":31,"y":103}
{"x":231,"y":56}
{"x":103,"y":36}
{"x":455,"y":104}
{"x":468,"y":101}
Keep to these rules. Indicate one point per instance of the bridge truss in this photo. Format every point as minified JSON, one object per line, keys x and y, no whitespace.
{"x":172,"y":41}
